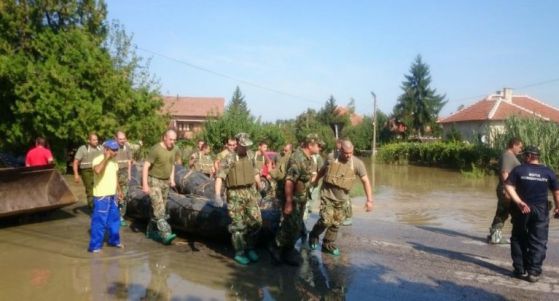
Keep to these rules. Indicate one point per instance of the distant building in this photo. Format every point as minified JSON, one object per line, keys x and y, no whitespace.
{"x":483,"y":119}
{"x":354,"y":119}
{"x":188,"y":114}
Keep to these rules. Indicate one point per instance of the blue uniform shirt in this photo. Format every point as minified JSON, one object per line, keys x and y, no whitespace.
{"x":532,"y":182}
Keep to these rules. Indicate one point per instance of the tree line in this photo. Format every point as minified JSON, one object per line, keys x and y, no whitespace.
{"x":65,"y":71}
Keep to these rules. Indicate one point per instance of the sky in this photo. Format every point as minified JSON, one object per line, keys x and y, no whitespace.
{"x":287,"y":56}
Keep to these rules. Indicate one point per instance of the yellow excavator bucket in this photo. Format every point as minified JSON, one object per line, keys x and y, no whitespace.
{"x":32,"y":189}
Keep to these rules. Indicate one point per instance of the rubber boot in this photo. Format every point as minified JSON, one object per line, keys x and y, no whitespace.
{"x":496,"y":237}
{"x":251,"y":254}
{"x":330,"y":248}
{"x":240,"y":258}
{"x":313,"y":242}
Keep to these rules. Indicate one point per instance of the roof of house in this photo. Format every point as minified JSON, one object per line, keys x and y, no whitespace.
{"x":496,"y":107}
{"x":193,"y":106}
{"x":354,"y":118}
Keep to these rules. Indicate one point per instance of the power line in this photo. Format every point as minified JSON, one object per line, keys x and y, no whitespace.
{"x":229,"y":77}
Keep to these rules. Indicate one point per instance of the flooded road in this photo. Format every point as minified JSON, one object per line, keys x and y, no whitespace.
{"x":424,"y":240}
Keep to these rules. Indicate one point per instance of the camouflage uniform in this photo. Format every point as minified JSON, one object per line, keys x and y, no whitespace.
{"x":299,"y":170}
{"x":242,"y":200}
{"x":203,"y":163}
{"x":162,"y":162}
{"x":124,"y":155}
{"x":334,"y":197}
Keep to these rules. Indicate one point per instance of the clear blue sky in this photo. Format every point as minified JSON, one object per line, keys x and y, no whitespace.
{"x":309,"y":50}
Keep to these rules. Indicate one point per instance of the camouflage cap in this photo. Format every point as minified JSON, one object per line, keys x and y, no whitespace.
{"x":243,"y":139}
{"x":313,"y":138}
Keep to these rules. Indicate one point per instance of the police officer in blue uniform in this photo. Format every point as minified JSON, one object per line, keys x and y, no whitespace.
{"x":527,"y":185}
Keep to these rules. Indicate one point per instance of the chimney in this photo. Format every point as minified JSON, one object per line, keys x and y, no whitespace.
{"x":507,"y":94}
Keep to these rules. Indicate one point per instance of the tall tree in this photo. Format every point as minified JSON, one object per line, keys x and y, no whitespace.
{"x":235,"y":119}
{"x":59,"y":77}
{"x":419,"y":105}
{"x":238,"y":105}
{"x":330,"y":116}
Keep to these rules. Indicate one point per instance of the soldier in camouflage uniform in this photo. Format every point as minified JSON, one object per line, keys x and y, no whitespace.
{"x":301,"y":170}
{"x":230,"y":146}
{"x":157,"y":175}
{"x":339,"y":175}
{"x":202,"y":161}
{"x":124,"y":160}
{"x":280,"y":171}
{"x":238,"y":172}
{"x":82,"y":165}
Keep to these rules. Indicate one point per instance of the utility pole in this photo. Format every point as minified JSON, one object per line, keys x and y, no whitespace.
{"x":374,"y":145}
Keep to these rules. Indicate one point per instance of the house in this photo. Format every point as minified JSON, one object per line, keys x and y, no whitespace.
{"x":485,"y":118}
{"x":188,"y":114}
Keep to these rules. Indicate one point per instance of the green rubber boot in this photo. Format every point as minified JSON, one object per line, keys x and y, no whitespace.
{"x":251,"y":254}
{"x":240,"y":258}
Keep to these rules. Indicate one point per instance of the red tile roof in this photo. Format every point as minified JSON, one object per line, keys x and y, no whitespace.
{"x":193,"y":106}
{"x":495,"y":107}
{"x":354,"y":119}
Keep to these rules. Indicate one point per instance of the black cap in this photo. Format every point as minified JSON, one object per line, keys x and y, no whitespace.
{"x":530,"y":149}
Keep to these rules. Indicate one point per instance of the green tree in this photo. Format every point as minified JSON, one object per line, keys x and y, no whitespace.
{"x":330,"y":116}
{"x":419,"y":105}
{"x":309,"y":122}
{"x":362,"y":134}
{"x":59,"y":77}
{"x":235,"y":119}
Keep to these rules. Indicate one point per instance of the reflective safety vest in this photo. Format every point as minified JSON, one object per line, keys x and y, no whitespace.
{"x":204,"y":163}
{"x":241,"y":173}
{"x":340,"y":175}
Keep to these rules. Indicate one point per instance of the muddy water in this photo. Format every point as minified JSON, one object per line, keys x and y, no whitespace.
{"x":45,"y":258}
{"x":434,"y":197}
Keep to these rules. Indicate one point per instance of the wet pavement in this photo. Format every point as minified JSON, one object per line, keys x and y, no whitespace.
{"x":425,"y":240}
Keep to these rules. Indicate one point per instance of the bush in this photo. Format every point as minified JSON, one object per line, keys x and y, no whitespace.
{"x":456,"y":155}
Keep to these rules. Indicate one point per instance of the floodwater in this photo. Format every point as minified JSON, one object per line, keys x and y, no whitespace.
{"x":45,"y":258}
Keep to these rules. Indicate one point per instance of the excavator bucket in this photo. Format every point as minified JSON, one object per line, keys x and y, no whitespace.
{"x":32,"y":189}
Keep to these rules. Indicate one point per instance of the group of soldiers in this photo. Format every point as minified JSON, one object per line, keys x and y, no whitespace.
{"x":242,"y":173}
{"x":294,"y":174}
{"x":521,"y":192}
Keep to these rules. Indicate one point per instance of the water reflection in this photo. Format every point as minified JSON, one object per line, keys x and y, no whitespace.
{"x":48,"y":259}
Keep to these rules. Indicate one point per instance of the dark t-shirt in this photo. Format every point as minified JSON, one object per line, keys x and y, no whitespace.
{"x":532,"y":182}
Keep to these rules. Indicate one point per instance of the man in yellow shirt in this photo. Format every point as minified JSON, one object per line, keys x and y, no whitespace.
{"x":106,"y":216}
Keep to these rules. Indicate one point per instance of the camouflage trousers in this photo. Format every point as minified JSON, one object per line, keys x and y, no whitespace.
{"x":348,"y":209}
{"x":87,"y":180}
{"x":158,"y":192}
{"x":291,"y":225}
{"x":332,"y":214}
{"x":246,"y":220}
{"x":503,"y":210}
{"x":123,"y":183}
